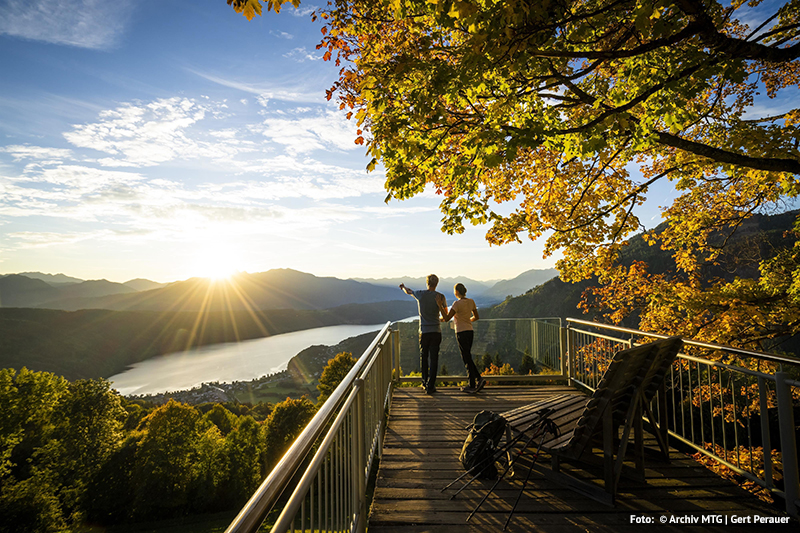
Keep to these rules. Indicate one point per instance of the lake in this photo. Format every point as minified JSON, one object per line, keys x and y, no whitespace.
{"x":228,"y":362}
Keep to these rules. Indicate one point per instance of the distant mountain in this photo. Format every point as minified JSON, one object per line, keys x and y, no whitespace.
{"x":274,"y":289}
{"x":52,"y":279}
{"x":17,"y":290}
{"x":474,"y":287}
{"x":93,"y":288}
{"x":520,"y":284}
{"x":554,"y":298}
{"x":140,"y":284}
{"x":21,"y":291}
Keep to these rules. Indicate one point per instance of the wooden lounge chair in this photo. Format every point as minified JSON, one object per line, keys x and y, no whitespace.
{"x":626,"y":389}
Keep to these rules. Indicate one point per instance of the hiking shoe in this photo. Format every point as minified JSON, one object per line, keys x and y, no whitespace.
{"x":469,"y":390}
{"x":480,"y":384}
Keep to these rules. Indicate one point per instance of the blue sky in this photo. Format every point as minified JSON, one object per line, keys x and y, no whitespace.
{"x":169,"y":140}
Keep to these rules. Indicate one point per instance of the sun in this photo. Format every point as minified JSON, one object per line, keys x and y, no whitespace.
{"x":218,"y":266}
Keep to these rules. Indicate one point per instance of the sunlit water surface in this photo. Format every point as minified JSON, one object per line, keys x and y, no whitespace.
{"x":228,"y":362}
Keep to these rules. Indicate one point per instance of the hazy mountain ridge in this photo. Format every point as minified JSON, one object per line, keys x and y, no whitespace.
{"x":53,"y":279}
{"x":273,"y":289}
{"x":17,"y":290}
{"x":474,"y":287}
{"x":141,"y":284}
{"x":520,"y":284}
{"x":486,"y":291}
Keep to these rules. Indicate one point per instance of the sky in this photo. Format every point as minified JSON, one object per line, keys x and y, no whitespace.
{"x":170,"y":140}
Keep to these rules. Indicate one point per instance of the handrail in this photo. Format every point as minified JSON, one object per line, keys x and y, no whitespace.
{"x":332,"y":488}
{"x":260,"y":503}
{"x":699,"y":397}
{"x":294,"y":504}
{"x":776,"y":358}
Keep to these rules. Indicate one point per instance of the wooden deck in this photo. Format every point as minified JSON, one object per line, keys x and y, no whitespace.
{"x":420,"y":456}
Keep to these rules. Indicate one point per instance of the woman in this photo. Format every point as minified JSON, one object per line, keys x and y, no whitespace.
{"x":465,"y":313}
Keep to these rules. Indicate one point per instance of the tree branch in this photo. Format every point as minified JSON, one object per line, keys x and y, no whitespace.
{"x":770,"y":164}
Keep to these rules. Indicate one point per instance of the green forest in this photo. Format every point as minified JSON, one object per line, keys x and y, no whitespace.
{"x":77,"y":454}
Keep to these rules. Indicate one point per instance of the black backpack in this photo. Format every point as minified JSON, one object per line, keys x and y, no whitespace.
{"x":485,"y":433}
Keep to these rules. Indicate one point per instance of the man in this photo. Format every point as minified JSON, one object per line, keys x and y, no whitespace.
{"x":431,"y":305}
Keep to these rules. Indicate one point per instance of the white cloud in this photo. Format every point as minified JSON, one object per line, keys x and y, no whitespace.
{"x":83,"y":23}
{"x":303,"y":10}
{"x":301,"y":55}
{"x":149,"y":134}
{"x":41,"y":239}
{"x":281,"y":34}
{"x":184,"y":168}
{"x":268,"y":90}
{"x":21,"y":152}
{"x":329,"y":129}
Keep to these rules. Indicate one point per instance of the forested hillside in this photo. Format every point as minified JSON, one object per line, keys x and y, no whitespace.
{"x":756,"y":242}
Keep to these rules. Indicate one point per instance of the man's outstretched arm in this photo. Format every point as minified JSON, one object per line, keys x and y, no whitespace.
{"x":442,"y":302}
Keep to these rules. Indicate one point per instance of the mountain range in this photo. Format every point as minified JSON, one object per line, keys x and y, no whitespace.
{"x":484,"y":292}
{"x":274,"y":289}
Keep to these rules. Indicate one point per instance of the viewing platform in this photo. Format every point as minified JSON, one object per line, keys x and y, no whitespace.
{"x":423,"y":440}
{"x":379,"y":451}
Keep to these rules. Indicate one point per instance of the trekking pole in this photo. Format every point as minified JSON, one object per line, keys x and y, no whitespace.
{"x":542,"y":413}
{"x":542,"y":423}
{"x":549,"y":427}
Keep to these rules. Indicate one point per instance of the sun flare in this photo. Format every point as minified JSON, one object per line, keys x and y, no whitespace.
{"x":217,"y":267}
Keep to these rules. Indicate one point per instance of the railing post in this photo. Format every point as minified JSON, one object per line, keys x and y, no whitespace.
{"x":566,"y":353}
{"x":788,"y":442}
{"x":535,"y":340}
{"x":396,"y":351}
{"x":359,"y":461}
{"x":766,"y":440}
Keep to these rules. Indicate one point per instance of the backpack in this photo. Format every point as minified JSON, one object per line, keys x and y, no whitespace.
{"x":485,"y":433}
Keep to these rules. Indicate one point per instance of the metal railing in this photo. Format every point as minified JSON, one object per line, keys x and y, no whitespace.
{"x":508,"y":339}
{"x":346,"y":438}
{"x":733,"y":406}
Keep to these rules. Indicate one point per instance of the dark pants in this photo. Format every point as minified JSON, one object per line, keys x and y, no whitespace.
{"x":429,"y":358}
{"x":465,"y":345}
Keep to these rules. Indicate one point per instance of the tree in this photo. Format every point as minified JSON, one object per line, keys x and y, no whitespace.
{"x":283,"y":426}
{"x":527,"y":364}
{"x":244,"y":449}
{"x":222,"y":418}
{"x":88,"y":429}
{"x":210,"y":470}
{"x":109,"y":494}
{"x":552,"y":106}
{"x":164,"y":459}
{"x":333,"y":374}
{"x":29,"y":490}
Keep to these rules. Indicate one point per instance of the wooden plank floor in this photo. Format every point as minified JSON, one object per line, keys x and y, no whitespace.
{"x":420,"y":456}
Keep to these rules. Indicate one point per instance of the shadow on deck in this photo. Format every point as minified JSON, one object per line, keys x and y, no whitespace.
{"x":420,"y":456}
